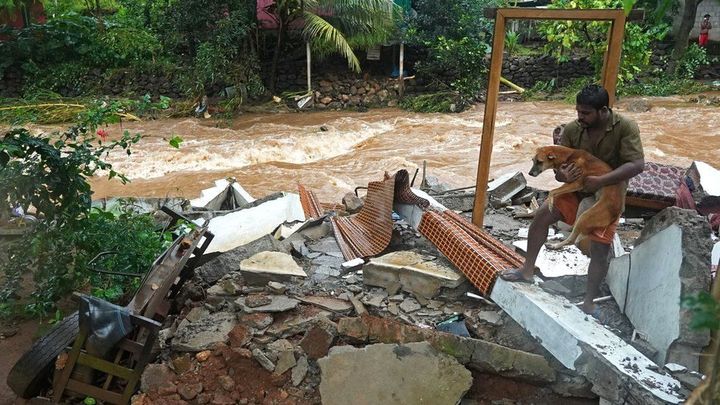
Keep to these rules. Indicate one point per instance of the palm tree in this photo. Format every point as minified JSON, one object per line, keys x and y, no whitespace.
{"x":334,"y":26}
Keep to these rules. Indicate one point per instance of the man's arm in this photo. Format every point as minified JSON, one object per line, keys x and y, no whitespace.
{"x":624,"y":172}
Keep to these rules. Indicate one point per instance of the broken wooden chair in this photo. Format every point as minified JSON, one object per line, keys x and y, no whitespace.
{"x":132,"y":354}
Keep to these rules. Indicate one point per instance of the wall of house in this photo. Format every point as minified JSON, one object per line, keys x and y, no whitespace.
{"x":706,"y":7}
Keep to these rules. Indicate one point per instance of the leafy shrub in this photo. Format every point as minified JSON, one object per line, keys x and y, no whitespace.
{"x":568,"y":37}
{"x":455,"y":37}
{"x":694,"y":57}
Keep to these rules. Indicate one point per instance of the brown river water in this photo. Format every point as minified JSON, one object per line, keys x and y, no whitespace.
{"x":274,"y":151}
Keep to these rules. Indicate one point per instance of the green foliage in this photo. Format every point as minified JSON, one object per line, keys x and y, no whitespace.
{"x":567,"y":38}
{"x":706,"y":311}
{"x":694,"y":57}
{"x":443,"y":102}
{"x":455,"y":37}
{"x":175,"y":141}
{"x":662,"y":86}
{"x":61,"y":52}
{"x":512,"y":41}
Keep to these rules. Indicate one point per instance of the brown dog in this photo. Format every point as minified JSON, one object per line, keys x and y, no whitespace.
{"x":604,"y":212}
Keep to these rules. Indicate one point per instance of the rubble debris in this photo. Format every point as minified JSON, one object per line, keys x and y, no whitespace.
{"x":501,"y":190}
{"x":412,"y":373}
{"x":203,"y":332}
{"x":671,"y":260}
{"x":278,"y":303}
{"x":300,"y":371}
{"x":309,"y":202}
{"x":212,"y":271}
{"x":225,"y":195}
{"x":474,"y":353}
{"x":277,"y":288}
{"x":557,"y":263}
{"x":413,"y":272}
{"x":352,"y":203}
{"x":353,"y":265}
{"x":317,"y":342}
{"x":140,"y":205}
{"x":457,"y":201}
{"x":248,"y":224}
{"x":263,"y":267}
{"x":616,"y":369}
{"x":328,"y":303}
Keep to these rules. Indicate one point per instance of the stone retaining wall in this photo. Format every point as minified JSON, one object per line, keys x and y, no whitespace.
{"x":526,"y":71}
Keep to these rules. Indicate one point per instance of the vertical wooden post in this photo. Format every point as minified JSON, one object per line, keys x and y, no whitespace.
{"x":402,"y":63}
{"x":309,"y":81}
{"x":486,"y":144}
{"x":611,"y":67}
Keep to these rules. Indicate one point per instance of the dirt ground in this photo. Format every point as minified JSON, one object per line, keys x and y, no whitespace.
{"x":17,"y":339}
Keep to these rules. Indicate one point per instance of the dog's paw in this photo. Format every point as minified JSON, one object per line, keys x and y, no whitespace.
{"x":555,"y":246}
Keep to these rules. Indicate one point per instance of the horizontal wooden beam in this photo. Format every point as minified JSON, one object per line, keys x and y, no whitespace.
{"x":532,"y":13}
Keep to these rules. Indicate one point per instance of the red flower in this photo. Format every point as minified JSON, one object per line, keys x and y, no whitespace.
{"x":102,"y":134}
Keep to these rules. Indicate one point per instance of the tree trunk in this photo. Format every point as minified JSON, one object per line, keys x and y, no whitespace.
{"x":276,"y":56}
{"x":686,"y":25}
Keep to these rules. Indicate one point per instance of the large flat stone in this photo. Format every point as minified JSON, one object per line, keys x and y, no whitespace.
{"x":203,"y":332}
{"x":264,"y":267}
{"x":671,"y":262}
{"x":229,"y":261}
{"x":617,"y":370}
{"x":412,"y":271}
{"x":410,"y":374}
{"x":278,"y":303}
{"x":246,"y":225}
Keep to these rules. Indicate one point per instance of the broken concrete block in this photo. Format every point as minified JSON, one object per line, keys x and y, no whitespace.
{"x":474,"y":353}
{"x":671,"y":261}
{"x":221,"y":195}
{"x":246,"y":225}
{"x":317,"y":342}
{"x":503,"y":189}
{"x":412,"y":271}
{"x":616,"y":369}
{"x":278,"y":303}
{"x":328,"y":265}
{"x":264,"y":267}
{"x":458,"y":201}
{"x":263,"y":360}
{"x":204,"y":332}
{"x":300,"y":371}
{"x":353,"y":265}
{"x":229,"y":261}
{"x":352,"y":203}
{"x":286,"y":361}
{"x":410,"y":374}
{"x":409,"y":305}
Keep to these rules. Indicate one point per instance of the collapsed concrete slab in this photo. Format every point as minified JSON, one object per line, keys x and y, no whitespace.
{"x":619,"y":373}
{"x":671,"y":261}
{"x":212,"y":271}
{"x":557,"y":263}
{"x":410,"y":374}
{"x":473,"y":353}
{"x":244,"y":226}
{"x":267,"y":266}
{"x":412,"y":271}
{"x":457,"y":201}
{"x":223,"y":196}
{"x":202,"y":331}
{"x":501,"y":190}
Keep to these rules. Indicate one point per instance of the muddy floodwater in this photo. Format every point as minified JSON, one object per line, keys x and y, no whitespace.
{"x":275,"y":151}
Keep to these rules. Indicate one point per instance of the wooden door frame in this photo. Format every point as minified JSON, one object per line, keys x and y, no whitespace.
{"x":611,"y":66}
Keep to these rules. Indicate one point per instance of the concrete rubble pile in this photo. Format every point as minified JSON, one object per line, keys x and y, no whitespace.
{"x":281,"y":317}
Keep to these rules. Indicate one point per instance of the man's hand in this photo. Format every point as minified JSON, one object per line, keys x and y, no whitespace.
{"x":593,"y":184}
{"x":567,"y":173}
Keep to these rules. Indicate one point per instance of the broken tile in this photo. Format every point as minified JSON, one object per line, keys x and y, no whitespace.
{"x":300,"y":371}
{"x":329,"y":303}
{"x":410,"y":305}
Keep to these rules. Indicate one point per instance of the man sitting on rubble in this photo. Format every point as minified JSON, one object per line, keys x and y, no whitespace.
{"x":613,"y":139}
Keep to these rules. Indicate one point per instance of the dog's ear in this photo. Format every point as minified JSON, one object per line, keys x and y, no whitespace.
{"x":551,"y":156}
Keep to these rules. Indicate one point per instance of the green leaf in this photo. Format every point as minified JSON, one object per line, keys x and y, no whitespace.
{"x":175,"y":141}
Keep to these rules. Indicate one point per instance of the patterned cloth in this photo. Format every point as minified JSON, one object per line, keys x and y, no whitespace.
{"x":657,"y":182}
